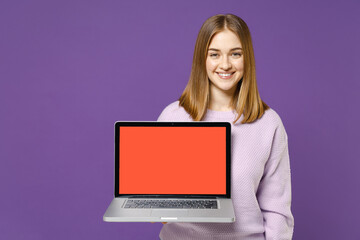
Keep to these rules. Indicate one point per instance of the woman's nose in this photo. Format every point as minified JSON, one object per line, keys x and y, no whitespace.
{"x":225,"y":64}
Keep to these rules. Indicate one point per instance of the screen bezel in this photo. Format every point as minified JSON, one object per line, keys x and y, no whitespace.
{"x":175,"y":124}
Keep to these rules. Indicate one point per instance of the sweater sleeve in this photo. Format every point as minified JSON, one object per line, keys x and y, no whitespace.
{"x":174,"y":113}
{"x":274,"y":192}
{"x":163,"y":116}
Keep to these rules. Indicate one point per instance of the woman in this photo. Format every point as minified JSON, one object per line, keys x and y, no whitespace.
{"x":222,"y":87}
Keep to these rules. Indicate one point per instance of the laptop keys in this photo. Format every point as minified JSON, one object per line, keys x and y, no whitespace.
{"x":176,"y":204}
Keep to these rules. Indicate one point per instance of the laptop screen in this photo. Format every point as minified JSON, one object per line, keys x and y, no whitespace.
{"x":172,"y":160}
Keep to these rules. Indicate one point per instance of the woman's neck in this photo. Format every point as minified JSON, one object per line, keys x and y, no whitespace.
{"x":220,"y":100}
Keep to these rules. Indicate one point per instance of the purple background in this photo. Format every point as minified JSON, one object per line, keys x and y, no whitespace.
{"x":70,"y":69}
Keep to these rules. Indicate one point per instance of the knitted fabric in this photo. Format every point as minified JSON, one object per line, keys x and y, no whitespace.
{"x":260,"y":181}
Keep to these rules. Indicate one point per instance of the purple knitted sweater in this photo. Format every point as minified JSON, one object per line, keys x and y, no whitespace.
{"x":260,"y":181}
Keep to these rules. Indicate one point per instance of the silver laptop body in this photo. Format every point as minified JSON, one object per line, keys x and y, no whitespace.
{"x":172,"y":172}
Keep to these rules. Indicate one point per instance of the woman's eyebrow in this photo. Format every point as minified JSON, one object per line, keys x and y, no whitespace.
{"x":214,"y":49}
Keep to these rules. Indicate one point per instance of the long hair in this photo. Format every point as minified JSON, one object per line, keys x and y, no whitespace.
{"x":246,"y":100}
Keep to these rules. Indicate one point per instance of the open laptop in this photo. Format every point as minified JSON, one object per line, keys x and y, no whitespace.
{"x":172,"y":172}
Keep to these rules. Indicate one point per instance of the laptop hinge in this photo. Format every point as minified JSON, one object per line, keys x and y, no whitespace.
{"x":173,"y":196}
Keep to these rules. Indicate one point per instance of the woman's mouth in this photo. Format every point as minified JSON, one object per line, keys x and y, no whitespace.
{"x":225,"y":75}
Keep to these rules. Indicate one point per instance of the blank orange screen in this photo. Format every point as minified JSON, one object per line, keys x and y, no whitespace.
{"x":172,"y":160}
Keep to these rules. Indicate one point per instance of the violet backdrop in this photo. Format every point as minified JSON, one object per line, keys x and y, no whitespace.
{"x":70,"y":69}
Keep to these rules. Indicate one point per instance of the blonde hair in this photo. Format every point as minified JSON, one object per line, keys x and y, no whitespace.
{"x":246,"y":99}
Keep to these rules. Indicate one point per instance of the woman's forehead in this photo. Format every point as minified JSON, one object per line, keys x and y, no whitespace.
{"x":225,"y":40}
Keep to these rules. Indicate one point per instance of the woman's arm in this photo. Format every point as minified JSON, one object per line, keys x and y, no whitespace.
{"x":274,"y":192}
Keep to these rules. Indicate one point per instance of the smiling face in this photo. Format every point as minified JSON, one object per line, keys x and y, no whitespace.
{"x":224,"y":62}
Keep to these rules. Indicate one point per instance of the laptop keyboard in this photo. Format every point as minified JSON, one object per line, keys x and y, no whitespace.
{"x":201,"y":204}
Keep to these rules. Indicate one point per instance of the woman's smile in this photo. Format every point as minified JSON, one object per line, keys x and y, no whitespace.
{"x":225,"y":75}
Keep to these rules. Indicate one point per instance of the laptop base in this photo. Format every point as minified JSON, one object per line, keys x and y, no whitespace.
{"x":116,"y":213}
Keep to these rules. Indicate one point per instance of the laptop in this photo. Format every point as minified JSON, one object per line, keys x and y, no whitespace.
{"x":172,"y":172}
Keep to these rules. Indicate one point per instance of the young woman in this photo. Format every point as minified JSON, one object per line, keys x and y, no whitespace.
{"x":222,"y":87}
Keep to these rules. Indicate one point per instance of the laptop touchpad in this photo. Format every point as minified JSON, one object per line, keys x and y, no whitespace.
{"x":169,"y":213}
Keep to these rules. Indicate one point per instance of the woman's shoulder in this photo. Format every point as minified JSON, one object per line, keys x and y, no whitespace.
{"x":271,"y":115}
{"x":174,"y":112}
{"x":269,"y":126}
{"x":270,"y":119}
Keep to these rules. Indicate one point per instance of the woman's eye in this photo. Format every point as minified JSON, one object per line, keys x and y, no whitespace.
{"x":213,"y":54}
{"x":237,"y":54}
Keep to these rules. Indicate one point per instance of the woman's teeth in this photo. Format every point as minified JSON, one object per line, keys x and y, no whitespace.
{"x":224,"y":74}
